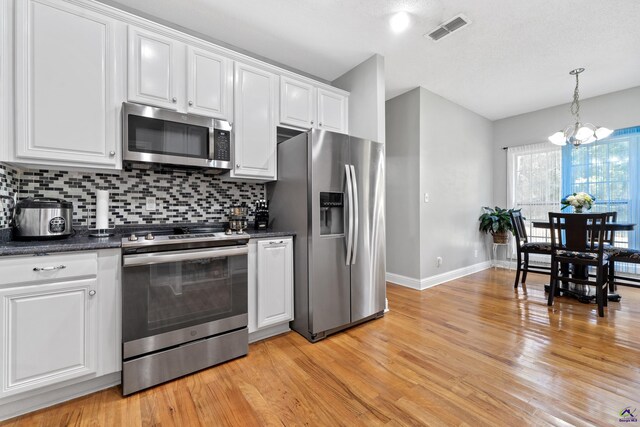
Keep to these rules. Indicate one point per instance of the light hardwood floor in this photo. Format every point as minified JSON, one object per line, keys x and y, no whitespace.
{"x":468,"y":352}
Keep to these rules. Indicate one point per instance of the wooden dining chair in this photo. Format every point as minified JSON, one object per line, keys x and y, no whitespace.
{"x":578,"y":239}
{"x":524,"y":248}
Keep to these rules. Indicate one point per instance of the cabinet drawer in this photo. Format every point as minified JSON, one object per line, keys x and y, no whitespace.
{"x":19,"y":270}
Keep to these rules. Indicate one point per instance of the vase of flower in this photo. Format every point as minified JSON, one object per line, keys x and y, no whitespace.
{"x":580,"y":201}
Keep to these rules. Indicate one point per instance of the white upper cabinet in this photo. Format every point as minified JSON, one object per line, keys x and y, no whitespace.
{"x":297,"y":103}
{"x":333,"y":110}
{"x":306,"y":106}
{"x":209,"y":83}
{"x":154,"y":68}
{"x":170,"y":74}
{"x":255,"y":99}
{"x":68,"y":72}
{"x":66,"y":67}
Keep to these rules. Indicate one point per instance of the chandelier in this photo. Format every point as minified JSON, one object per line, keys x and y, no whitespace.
{"x":578,"y":133}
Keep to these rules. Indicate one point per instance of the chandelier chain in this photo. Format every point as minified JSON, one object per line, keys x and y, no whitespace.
{"x":575,"y":105}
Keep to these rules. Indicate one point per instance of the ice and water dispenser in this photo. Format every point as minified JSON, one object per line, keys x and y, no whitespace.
{"x":331,"y":213}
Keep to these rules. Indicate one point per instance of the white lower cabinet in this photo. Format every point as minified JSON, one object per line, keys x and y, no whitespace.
{"x":61,"y":323}
{"x":270,"y":286}
{"x":49,"y":334}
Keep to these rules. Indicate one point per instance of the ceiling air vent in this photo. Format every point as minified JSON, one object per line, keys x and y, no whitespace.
{"x":448,"y":27}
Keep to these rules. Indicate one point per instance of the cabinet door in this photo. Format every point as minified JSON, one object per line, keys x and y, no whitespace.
{"x":297,"y":106}
{"x":275,"y":282}
{"x":154,"y":69}
{"x":333,"y":110}
{"x":66,"y":84}
{"x":255,"y":102}
{"x":49,"y":334}
{"x":209,"y":84}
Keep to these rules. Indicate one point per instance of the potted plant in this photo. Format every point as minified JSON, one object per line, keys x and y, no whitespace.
{"x":497,"y":221}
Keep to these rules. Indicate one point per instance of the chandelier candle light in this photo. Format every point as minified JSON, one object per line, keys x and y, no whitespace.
{"x":578,"y":133}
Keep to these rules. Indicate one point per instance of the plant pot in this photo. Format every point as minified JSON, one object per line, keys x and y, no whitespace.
{"x":501,"y":237}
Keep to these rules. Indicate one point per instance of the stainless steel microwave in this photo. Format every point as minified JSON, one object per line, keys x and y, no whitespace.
{"x":156,"y":135}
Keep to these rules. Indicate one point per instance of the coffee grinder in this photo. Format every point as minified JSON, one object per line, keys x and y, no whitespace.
{"x":262,"y":215}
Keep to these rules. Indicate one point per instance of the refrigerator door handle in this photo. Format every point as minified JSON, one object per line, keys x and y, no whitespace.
{"x":356,"y":226}
{"x":349,"y":233}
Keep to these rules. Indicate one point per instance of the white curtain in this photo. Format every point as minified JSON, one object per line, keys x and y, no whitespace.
{"x":534,"y":183}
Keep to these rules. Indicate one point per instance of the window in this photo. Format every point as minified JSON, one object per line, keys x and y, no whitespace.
{"x":534,"y":183}
{"x":608,"y":170}
{"x":539,"y":175}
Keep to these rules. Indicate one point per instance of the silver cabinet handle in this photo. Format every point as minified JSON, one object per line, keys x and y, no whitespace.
{"x":174,"y":99}
{"x":320,"y":124}
{"x":52,"y":268}
{"x":277,"y":243}
{"x":92,"y":292}
{"x":356,"y":207}
{"x":311,"y":121}
{"x":190,"y":102}
{"x":112,"y":153}
{"x":350,"y":228}
{"x":237,"y":165}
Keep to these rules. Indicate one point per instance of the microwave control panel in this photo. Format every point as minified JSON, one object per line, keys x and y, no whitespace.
{"x":222,"y":145}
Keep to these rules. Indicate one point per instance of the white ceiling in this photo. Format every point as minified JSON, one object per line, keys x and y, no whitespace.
{"x":513,"y":58}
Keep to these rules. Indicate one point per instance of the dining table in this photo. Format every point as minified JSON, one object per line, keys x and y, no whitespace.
{"x":581,"y":292}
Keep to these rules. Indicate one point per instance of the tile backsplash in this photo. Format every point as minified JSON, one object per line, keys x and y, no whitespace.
{"x":181,"y":195}
{"x":9,"y":182}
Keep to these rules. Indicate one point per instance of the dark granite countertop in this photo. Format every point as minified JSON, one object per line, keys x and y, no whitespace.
{"x":81,"y":241}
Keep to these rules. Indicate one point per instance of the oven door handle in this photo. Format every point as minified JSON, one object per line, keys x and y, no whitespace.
{"x":177,"y":256}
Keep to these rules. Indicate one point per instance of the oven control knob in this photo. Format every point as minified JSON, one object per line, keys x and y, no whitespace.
{"x":133,"y":238}
{"x":149,"y":237}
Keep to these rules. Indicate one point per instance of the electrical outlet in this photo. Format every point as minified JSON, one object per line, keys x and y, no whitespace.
{"x":438,"y":261}
{"x":426,"y":197}
{"x":475,"y":253}
{"x":151,"y":204}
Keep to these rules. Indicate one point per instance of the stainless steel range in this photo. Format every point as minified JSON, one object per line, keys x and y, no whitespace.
{"x":184,"y":303}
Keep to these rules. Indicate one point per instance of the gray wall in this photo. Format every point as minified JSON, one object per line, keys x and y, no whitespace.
{"x":435,"y":146}
{"x":455,"y":169}
{"x":614,"y":110}
{"x":403,"y":189}
{"x":366,"y":101}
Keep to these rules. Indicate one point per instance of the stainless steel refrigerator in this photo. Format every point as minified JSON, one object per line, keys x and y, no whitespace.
{"x":330,"y":190}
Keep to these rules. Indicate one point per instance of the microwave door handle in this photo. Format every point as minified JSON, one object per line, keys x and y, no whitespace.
{"x":177,"y":256}
{"x":212,"y":144}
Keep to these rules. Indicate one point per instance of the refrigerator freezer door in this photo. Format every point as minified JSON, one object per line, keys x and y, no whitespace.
{"x":368,"y":286}
{"x":329,"y":281}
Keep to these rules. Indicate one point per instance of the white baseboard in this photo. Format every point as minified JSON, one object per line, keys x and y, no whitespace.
{"x":32,"y":402}
{"x":269,"y":332}
{"x":405,"y":281}
{"x":438,"y":279}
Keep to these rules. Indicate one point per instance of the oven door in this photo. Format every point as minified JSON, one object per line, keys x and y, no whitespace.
{"x":169,"y":298}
